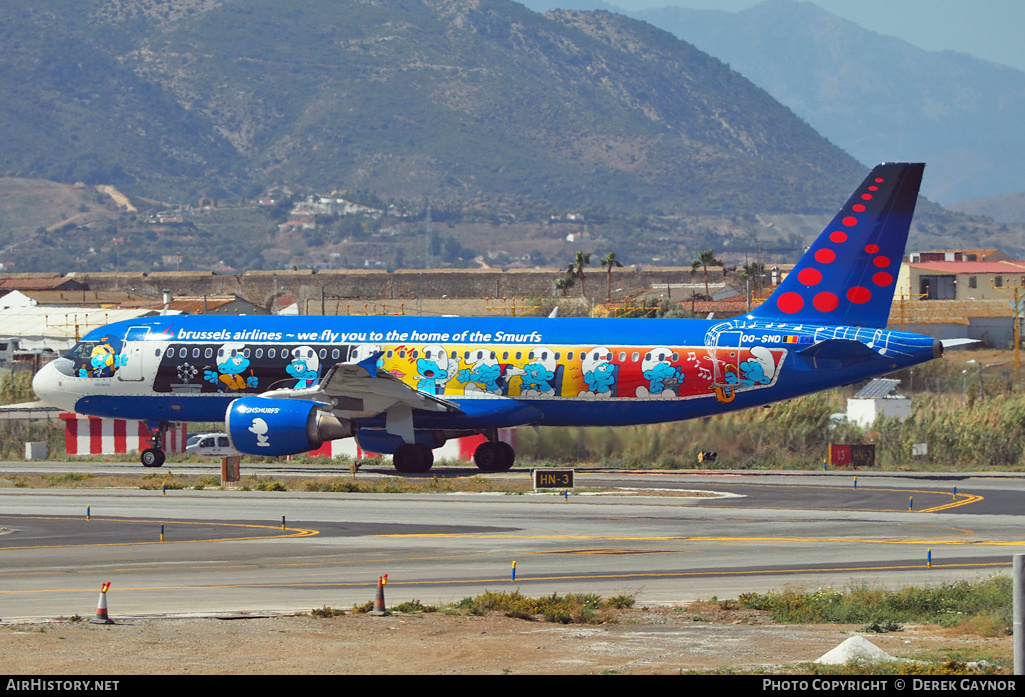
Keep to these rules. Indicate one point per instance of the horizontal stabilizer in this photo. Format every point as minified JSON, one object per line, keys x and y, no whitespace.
{"x":958,"y":343}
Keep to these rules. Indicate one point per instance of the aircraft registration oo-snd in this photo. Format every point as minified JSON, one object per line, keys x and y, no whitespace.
{"x":403,"y":385}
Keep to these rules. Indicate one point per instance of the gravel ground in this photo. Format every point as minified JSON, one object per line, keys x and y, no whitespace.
{"x":641,"y":641}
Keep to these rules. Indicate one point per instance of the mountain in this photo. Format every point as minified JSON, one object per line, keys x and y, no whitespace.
{"x":876,"y":96}
{"x":463,"y":102}
{"x":1009,"y":208}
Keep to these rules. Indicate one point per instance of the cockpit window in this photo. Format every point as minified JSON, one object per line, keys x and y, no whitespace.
{"x":83,"y":349}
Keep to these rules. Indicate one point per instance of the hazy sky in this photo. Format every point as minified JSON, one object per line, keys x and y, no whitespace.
{"x":993,"y":30}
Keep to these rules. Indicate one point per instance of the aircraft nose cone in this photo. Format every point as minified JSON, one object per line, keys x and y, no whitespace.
{"x":48,"y":386}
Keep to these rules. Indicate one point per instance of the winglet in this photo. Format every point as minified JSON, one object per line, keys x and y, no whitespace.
{"x":849,"y":274}
{"x":369,"y":363}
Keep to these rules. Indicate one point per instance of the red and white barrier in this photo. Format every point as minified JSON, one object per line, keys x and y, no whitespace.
{"x":88,"y":435}
{"x":457,"y":449}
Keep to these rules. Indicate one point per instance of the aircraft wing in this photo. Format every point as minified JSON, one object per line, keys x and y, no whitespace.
{"x":363,"y":389}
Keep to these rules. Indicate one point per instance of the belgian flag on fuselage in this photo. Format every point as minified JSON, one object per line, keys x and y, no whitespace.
{"x":848,"y":276}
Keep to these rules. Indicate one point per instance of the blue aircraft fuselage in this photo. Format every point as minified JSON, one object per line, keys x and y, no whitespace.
{"x":562,"y":372}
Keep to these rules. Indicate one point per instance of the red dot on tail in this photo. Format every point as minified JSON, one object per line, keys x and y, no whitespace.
{"x":872,"y":248}
{"x":866,"y":197}
{"x":858,"y":208}
{"x":825,"y":302}
{"x":879,"y":181}
{"x":838,"y":236}
{"x":825,"y":256}
{"x":882,"y":279}
{"x":873,"y":188}
{"x":859,"y":295}
{"x":850,"y":221}
{"x":809,"y":276}
{"x":881,"y":262}
{"x":790,"y":303}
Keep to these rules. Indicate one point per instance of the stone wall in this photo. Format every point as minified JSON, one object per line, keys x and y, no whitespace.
{"x":261,"y":287}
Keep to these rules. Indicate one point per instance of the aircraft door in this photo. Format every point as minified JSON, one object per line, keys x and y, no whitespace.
{"x":132,"y":356}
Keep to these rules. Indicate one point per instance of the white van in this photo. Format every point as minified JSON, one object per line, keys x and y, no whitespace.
{"x":210,"y":445}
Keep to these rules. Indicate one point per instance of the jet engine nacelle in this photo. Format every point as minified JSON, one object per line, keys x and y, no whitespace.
{"x":265,"y":426}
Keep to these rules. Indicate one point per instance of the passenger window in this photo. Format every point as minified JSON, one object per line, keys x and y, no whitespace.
{"x":183,"y":352}
{"x":271,"y":353}
{"x":259,"y":353}
{"x":209,"y":353}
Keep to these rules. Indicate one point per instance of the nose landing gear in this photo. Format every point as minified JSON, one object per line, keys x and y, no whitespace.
{"x":154,"y":456}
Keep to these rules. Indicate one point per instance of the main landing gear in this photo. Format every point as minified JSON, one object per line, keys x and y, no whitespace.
{"x":154,"y":456}
{"x":413,"y":458}
{"x":491,"y":456}
{"x":494,"y":455}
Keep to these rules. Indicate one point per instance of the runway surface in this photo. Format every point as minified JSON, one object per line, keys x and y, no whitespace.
{"x":226,"y":551}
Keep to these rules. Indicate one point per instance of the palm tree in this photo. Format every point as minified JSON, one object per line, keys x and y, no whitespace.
{"x":753,"y":271}
{"x":704,"y":260}
{"x":576,"y":268}
{"x":607,"y":262}
{"x":562,"y":283}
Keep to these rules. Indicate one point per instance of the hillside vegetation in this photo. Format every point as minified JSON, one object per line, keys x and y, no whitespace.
{"x":457,"y":100}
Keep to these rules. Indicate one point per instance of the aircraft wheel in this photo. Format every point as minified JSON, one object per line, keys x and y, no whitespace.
{"x":152,"y":457}
{"x":493,"y":457}
{"x":427,"y":457}
{"x":413,"y":458}
{"x":508,"y":454}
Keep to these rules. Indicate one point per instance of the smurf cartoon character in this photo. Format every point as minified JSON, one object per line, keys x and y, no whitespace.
{"x":305,"y":367}
{"x":599,"y":373}
{"x":260,"y":428}
{"x":663,"y":377}
{"x":434,"y":369}
{"x":484,"y":373}
{"x":758,"y":370}
{"x":539,"y":373}
{"x":103,"y":361}
{"x":231,"y":363}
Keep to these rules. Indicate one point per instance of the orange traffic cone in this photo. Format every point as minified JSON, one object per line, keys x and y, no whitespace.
{"x":101,"y":607}
{"x":379,"y":608}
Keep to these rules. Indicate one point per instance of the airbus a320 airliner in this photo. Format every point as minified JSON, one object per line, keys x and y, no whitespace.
{"x":403,"y":385}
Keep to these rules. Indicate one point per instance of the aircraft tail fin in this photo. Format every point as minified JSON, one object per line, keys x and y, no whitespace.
{"x":849,"y":274}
